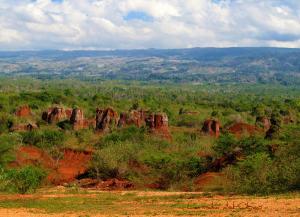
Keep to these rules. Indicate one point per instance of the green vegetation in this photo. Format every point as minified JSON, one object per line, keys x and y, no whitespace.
{"x":23,"y":180}
{"x":266,"y":164}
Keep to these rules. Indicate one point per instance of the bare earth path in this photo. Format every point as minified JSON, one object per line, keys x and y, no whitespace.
{"x":61,"y":202}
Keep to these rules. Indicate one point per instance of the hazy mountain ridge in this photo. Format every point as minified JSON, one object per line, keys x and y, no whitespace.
{"x":218,"y":65}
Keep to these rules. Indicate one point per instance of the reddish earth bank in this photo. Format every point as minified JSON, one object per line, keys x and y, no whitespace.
{"x":64,"y":169}
{"x":239,"y":129}
{"x":206,"y":179}
{"x":23,"y":111}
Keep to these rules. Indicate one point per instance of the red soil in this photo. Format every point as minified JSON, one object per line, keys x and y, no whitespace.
{"x":241,"y":128}
{"x":23,"y":111}
{"x":207,"y":179}
{"x":72,"y":164}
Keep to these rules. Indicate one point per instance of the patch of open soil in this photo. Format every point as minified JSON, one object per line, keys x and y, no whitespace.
{"x":239,"y":129}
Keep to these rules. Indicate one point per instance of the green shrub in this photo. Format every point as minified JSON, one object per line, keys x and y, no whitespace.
{"x":44,"y":139}
{"x":225,"y":144}
{"x":251,"y":175}
{"x":7,"y":144}
{"x":130,"y":133}
{"x":22,"y":180}
{"x":112,"y":161}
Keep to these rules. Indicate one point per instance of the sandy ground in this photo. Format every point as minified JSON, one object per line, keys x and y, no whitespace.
{"x":221,"y":206}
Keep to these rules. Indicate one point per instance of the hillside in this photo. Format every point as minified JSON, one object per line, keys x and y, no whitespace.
{"x":197,"y":65}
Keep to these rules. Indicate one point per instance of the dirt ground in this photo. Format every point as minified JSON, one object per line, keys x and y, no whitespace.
{"x":144,"y":203}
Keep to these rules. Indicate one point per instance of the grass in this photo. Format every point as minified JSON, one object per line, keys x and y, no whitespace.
{"x":108,"y":203}
{"x":133,"y":203}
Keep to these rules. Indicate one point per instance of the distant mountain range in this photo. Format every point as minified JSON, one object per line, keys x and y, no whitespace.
{"x":198,"y":65}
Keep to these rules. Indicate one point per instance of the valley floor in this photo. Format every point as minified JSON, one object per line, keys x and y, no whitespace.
{"x":85,"y":203}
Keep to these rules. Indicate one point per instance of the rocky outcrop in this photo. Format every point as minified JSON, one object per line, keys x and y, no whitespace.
{"x":79,"y":122}
{"x":54,"y":115}
{"x":211,"y":127}
{"x":68,"y":113}
{"x":24,"y":127}
{"x":23,"y":111}
{"x":263,"y":123}
{"x":158,"y":124}
{"x":106,"y":119}
{"x":134,"y":117}
{"x":77,"y":119}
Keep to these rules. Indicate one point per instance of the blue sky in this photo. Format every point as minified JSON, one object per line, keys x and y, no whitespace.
{"x":134,"y":24}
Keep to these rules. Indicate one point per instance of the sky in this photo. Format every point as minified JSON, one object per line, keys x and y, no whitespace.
{"x":139,"y":24}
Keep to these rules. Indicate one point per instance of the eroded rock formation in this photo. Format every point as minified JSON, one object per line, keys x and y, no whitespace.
{"x":211,"y":127}
{"x":79,"y":122}
{"x":263,"y":122}
{"x":54,"y":115}
{"x":134,"y":117}
{"x":77,"y":119}
{"x":159,"y":124}
{"x":106,"y":119}
{"x":23,"y":111}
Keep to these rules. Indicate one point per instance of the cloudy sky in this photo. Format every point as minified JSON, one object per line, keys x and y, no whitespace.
{"x":126,"y":24}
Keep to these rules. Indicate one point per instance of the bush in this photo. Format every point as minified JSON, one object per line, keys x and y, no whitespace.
{"x":7,"y":143}
{"x":44,"y":139}
{"x":225,"y":144}
{"x":112,"y":161}
{"x":131,"y":133}
{"x":171,"y":168}
{"x":259,"y":174}
{"x":251,"y":175}
{"x":22,"y":180}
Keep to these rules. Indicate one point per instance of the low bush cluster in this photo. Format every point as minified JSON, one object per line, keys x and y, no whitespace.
{"x":22,"y":180}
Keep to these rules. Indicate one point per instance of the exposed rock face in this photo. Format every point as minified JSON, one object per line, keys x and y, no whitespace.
{"x":54,"y":115}
{"x":24,"y":127}
{"x":23,"y":111}
{"x":263,"y":122}
{"x":79,"y":122}
{"x":68,"y":113}
{"x":159,"y":124}
{"x":106,"y":119}
{"x":77,"y":119}
{"x":134,"y":117}
{"x":211,"y":127}
{"x":239,"y":129}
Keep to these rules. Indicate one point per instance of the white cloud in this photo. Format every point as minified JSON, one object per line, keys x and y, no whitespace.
{"x":101,"y":24}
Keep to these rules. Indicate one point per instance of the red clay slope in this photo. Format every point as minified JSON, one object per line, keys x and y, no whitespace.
{"x":72,"y":164}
